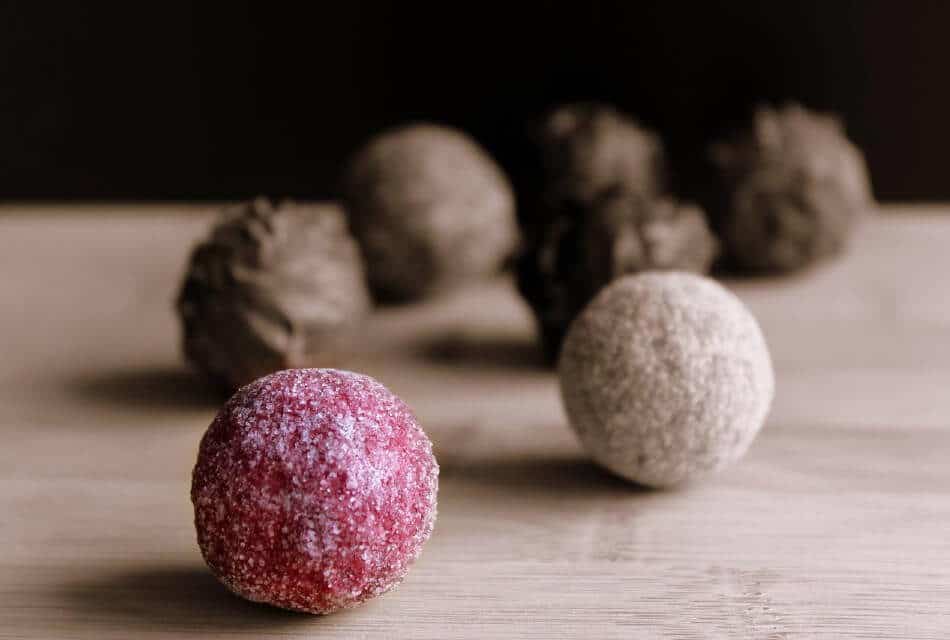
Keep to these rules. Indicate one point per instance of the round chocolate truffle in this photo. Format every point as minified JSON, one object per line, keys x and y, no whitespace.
{"x":597,"y":210}
{"x":430,"y":208}
{"x":566,"y":262}
{"x":789,"y":189}
{"x":586,"y":149}
{"x":665,"y":376}
{"x":271,"y":288}
{"x":314,"y":490}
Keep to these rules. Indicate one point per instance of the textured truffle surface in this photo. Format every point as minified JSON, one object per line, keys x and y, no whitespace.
{"x":314,"y":490}
{"x":598,"y":210}
{"x":586,"y":149}
{"x":789,"y":190}
{"x":271,"y":288}
{"x":430,"y":208}
{"x":580,"y":251}
{"x":665,"y":376}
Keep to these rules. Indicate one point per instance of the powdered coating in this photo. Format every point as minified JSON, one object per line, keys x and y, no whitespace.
{"x":665,"y":376}
{"x":314,"y":490}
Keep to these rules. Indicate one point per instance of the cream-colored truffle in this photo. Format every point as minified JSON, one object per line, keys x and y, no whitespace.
{"x":271,"y":288}
{"x":665,"y":376}
{"x":430,"y":208}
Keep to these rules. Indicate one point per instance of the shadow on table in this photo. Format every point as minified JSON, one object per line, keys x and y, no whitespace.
{"x":488,"y":352}
{"x":172,"y":598}
{"x":539,"y":477}
{"x":148,"y":389}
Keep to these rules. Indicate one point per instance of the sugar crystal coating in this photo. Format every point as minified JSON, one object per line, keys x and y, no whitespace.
{"x":314,"y":490}
{"x":665,"y":376}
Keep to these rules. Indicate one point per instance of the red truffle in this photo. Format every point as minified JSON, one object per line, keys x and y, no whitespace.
{"x":314,"y":490}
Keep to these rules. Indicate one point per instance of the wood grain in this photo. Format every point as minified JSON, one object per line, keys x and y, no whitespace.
{"x":836,"y":525}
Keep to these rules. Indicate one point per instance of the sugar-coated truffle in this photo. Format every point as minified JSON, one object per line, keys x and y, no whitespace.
{"x":665,"y":376}
{"x":430,"y":208}
{"x":271,"y":287}
{"x":579,"y":251}
{"x":314,"y":490}
{"x":789,"y":188}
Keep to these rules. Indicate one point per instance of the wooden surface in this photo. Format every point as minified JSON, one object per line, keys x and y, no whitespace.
{"x":836,"y":524}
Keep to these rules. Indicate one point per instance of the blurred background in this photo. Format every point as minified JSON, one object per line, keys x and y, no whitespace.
{"x":189,"y":100}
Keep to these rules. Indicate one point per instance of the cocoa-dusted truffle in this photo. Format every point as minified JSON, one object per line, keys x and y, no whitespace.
{"x":271,"y":288}
{"x":789,"y":189}
{"x":665,"y":376}
{"x":586,"y":149}
{"x":567,"y":261}
{"x":314,"y":490}
{"x":430,"y":208}
{"x":597,"y":210}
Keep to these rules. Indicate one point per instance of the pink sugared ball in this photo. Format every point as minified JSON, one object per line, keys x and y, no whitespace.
{"x":314,"y":490}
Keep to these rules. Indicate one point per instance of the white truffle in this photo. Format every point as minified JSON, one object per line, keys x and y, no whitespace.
{"x":665,"y":376}
{"x":430,"y":208}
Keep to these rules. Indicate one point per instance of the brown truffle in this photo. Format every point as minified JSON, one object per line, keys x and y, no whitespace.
{"x":271,"y":288}
{"x":576,"y":255}
{"x":598,"y":210}
{"x":586,"y":149}
{"x":430,"y":208}
{"x":789,"y":189}
{"x":665,"y":377}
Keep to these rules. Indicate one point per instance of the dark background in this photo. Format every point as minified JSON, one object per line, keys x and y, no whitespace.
{"x":192,"y":100}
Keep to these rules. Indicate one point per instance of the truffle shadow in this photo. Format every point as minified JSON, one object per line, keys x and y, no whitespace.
{"x":171,"y":598}
{"x":489,"y":352}
{"x":731,"y":274}
{"x":148,"y":389}
{"x":558,"y":477}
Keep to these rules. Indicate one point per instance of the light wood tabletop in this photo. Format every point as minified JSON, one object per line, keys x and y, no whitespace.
{"x":835,"y":525}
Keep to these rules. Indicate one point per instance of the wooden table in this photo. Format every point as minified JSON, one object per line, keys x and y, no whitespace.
{"x":836,"y":524}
